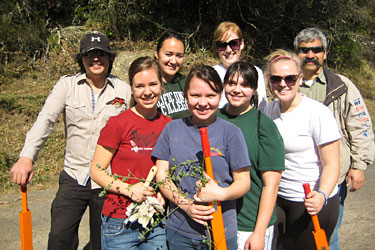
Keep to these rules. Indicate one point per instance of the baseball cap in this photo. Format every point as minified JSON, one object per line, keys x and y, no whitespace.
{"x":94,"y":40}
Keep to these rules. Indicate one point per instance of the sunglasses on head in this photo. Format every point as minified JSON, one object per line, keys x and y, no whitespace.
{"x":315,"y":50}
{"x":289,"y":80}
{"x":95,"y":53}
{"x":233,"y":44}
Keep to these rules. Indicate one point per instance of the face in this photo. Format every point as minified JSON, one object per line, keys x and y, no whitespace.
{"x":286,"y":71}
{"x":170,"y":56}
{"x":238,"y":93}
{"x":146,"y":89}
{"x":311,"y":61}
{"x":229,"y":55}
{"x":203,"y":102}
{"x":96,"y":63}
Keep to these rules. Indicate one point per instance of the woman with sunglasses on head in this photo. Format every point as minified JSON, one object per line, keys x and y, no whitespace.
{"x":311,"y":138}
{"x":180,"y":166}
{"x":256,"y":209}
{"x":170,"y":53}
{"x":228,"y":44}
{"x":126,"y":142}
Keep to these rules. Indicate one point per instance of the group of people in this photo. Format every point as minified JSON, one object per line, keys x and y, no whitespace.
{"x":262,"y":153}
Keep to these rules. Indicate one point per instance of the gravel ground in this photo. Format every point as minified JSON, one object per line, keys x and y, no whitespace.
{"x":357,"y":231}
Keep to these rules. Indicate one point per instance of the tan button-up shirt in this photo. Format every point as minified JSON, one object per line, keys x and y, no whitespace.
{"x":73,"y":96}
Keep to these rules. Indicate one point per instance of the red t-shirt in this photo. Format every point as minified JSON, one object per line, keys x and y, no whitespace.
{"x":134,"y":138}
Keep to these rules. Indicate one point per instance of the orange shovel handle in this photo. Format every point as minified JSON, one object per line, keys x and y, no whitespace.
{"x":25,"y":223}
{"x":319,"y":234}
{"x":217,"y":223}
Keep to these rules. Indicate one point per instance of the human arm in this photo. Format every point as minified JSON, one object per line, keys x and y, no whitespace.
{"x":211,"y":191}
{"x":102,"y":157}
{"x":197,"y":212}
{"x":22,"y":171}
{"x":358,"y":135}
{"x":329,"y":155}
{"x":271,"y":181}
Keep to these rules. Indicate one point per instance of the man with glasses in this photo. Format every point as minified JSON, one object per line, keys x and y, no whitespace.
{"x":87,"y":100}
{"x":346,"y":103}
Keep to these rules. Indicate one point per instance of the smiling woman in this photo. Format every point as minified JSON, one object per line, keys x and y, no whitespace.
{"x":170,"y":53}
{"x":126,"y":142}
{"x":228,"y":44}
{"x":311,"y":139}
{"x":180,"y":166}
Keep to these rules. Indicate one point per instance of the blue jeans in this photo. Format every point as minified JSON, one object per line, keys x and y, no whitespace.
{"x":116,"y":234}
{"x":177,"y":241}
{"x":334,"y":241}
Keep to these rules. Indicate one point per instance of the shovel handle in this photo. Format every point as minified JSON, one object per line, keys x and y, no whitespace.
{"x":315,"y":220}
{"x":24,"y":198}
{"x":151,"y":175}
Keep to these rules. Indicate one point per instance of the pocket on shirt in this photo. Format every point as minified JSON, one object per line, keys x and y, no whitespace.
{"x":74,"y":113}
{"x":112,"y":110}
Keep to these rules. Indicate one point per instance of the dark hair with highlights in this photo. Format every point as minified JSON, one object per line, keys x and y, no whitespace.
{"x":144,"y":63}
{"x":249,"y":75}
{"x":169,"y":35}
{"x":207,"y":74}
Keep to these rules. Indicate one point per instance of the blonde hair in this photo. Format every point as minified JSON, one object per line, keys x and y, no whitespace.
{"x":279,"y":55}
{"x":220,"y":31}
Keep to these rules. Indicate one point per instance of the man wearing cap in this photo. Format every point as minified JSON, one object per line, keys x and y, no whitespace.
{"x":342,"y":97}
{"x":87,"y":100}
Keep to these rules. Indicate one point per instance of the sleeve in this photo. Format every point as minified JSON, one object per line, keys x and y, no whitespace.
{"x":323,"y":125}
{"x":47,"y":117}
{"x":358,"y":127}
{"x":262,"y":93}
{"x":271,"y":146}
{"x":237,"y":153}
{"x":162,"y":149}
{"x":111,"y":134}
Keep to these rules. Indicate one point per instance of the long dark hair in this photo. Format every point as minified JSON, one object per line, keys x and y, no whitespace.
{"x":168,"y":35}
{"x":249,"y":75}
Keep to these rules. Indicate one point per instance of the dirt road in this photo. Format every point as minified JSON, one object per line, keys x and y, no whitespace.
{"x":357,"y":231}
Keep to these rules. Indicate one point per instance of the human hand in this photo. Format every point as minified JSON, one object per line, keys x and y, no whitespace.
{"x":255,"y":242}
{"x":199,"y":213}
{"x":314,"y":202}
{"x":356,"y":178}
{"x":22,"y":171}
{"x":139,"y":192}
{"x":208,"y":192}
{"x":160,"y":198}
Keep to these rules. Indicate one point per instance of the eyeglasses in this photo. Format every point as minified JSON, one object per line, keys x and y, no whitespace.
{"x":289,"y":80}
{"x":95,"y":53}
{"x":233,"y":44}
{"x":315,"y":50}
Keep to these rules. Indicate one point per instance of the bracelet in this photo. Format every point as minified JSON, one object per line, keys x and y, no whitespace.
{"x":325,"y":197}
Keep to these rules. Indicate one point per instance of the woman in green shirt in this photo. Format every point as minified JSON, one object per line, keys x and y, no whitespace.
{"x":170,"y":53}
{"x":255,"y":209}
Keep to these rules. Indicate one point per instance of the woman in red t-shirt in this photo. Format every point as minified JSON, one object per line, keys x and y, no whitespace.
{"x":126,"y":142}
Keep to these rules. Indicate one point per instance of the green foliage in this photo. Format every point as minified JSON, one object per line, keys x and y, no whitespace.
{"x":267,"y":24}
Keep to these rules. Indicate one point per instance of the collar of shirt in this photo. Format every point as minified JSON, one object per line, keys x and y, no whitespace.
{"x":320,"y":79}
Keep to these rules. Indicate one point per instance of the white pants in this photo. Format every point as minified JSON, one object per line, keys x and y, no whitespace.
{"x":243,"y":236}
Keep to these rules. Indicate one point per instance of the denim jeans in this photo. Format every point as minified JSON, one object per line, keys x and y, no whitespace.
{"x":334,"y":241}
{"x":179,"y":242}
{"x":117,"y":234}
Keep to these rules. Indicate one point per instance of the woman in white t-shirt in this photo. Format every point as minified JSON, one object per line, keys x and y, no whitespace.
{"x":311,"y":139}
{"x":227,"y":45}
